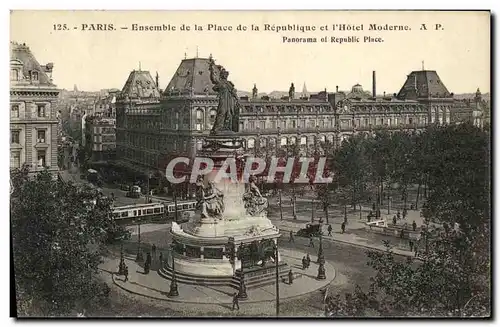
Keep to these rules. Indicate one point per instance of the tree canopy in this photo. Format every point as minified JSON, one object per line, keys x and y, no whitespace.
{"x":452,"y":277}
{"x":56,"y":232}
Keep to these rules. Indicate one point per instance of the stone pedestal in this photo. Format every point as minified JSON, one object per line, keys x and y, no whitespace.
{"x":202,"y":243}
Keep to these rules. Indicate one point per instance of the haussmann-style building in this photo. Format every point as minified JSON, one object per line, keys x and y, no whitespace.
{"x":33,"y":114}
{"x":154,"y":126}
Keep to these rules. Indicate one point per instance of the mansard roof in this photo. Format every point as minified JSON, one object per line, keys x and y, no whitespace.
{"x":140,"y":84}
{"x":192,"y":77}
{"x":423,"y":84}
{"x":21,"y":54}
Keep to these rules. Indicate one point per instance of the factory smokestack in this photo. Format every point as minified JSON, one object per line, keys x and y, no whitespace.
{"x":374,"y":85}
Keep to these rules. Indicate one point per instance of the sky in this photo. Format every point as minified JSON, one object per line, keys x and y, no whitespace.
{"x":459,"y":50}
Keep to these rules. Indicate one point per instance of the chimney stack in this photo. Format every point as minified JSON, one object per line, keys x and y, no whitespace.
{"x":374,"y":85}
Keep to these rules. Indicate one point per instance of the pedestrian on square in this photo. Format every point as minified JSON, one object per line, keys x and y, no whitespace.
{"x":402,"y":234}
{"x":291,"y":240}
{"x":290,"y":277}
{"x":147,"y":263}
{"x":308,"y":260}
{"x":125,"y":272}
{"x":343,"y":227}
{"x":304,"y":263}
{"x":414,"y":225}
{"x":161,"y":259}
{"x":394,"y":220}
{"x":153,"y":249}
{"x":411,"y":245}
{"x":398,"y":215}
{"x":330,"y":230}
{"x":311,"y":241}
{"x":373,"y":206}
{"x":405,"y":213}
{"x":235,"y":302}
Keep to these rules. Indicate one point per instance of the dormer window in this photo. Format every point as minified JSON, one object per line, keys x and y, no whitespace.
{"x":34,"y":76}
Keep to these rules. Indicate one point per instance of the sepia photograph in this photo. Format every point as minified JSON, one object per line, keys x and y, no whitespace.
{"x":250,"y":164}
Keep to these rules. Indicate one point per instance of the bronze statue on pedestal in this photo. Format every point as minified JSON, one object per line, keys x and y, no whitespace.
{"x":227,"y":118}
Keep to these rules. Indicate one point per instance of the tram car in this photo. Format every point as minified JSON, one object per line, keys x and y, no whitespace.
{"x":156,"y":211}
{"x":185,"y":209}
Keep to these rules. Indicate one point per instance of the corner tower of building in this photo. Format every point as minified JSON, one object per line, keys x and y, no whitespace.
{"x":426,"y":87}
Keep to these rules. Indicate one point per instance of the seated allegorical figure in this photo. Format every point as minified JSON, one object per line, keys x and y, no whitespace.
{"x":210,"y":200}
{"x":255,"y":203}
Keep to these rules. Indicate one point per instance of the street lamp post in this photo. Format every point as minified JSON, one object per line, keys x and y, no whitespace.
{"x":242,"y":294}
{"x":321,"y":257}
{"x":276,"y":261}
{"x":173,"y":284}
{"x":139,"y":257}
{"x":281,"y":202}
{"x":175,"y":205}
{"x":148,"y":191}
{"x":122,"y":261}
{"x":312,"y":212}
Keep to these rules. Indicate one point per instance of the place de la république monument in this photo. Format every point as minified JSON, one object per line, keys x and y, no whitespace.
{"x":230,"y":241}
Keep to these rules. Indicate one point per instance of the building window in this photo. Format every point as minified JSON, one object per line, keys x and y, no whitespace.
{"x":366,"y":122}
{"x":213,"y":114}
{"x":251,"y":125}
{"x":322,"y":138}
{"x":14,"y":137}
{"x":14,"y":74}
{"x":294,"y":124}
{"x":389,"y":121}
{"x":15,"y":160}
{"x":311,"y":123}
{"x":41,"y":156}
{"x":293,"y":140}
{"x":14,"y":111}
{"x":263,"y":142}
{"x":262,"y":124}
{"x":283,"y":124}
{"x":40,"y":138}
{"x":41,"y":110}
{"x":34,"y":76}
{"x":241,"y":126}
{"x":273,"y":124}
{"x":199,"y":120}
{"x":410,"y":120}
{"x":303,"y":123}
{"x":303,"y":140}
{"x":283,"y":141}
{"x":251,"y":143}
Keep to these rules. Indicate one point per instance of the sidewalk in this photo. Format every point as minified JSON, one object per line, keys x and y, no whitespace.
{"x":156,"y":287}
{"x":355,"y":232}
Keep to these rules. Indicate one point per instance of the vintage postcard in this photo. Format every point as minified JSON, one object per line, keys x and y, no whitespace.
{"x":250,"y":163}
